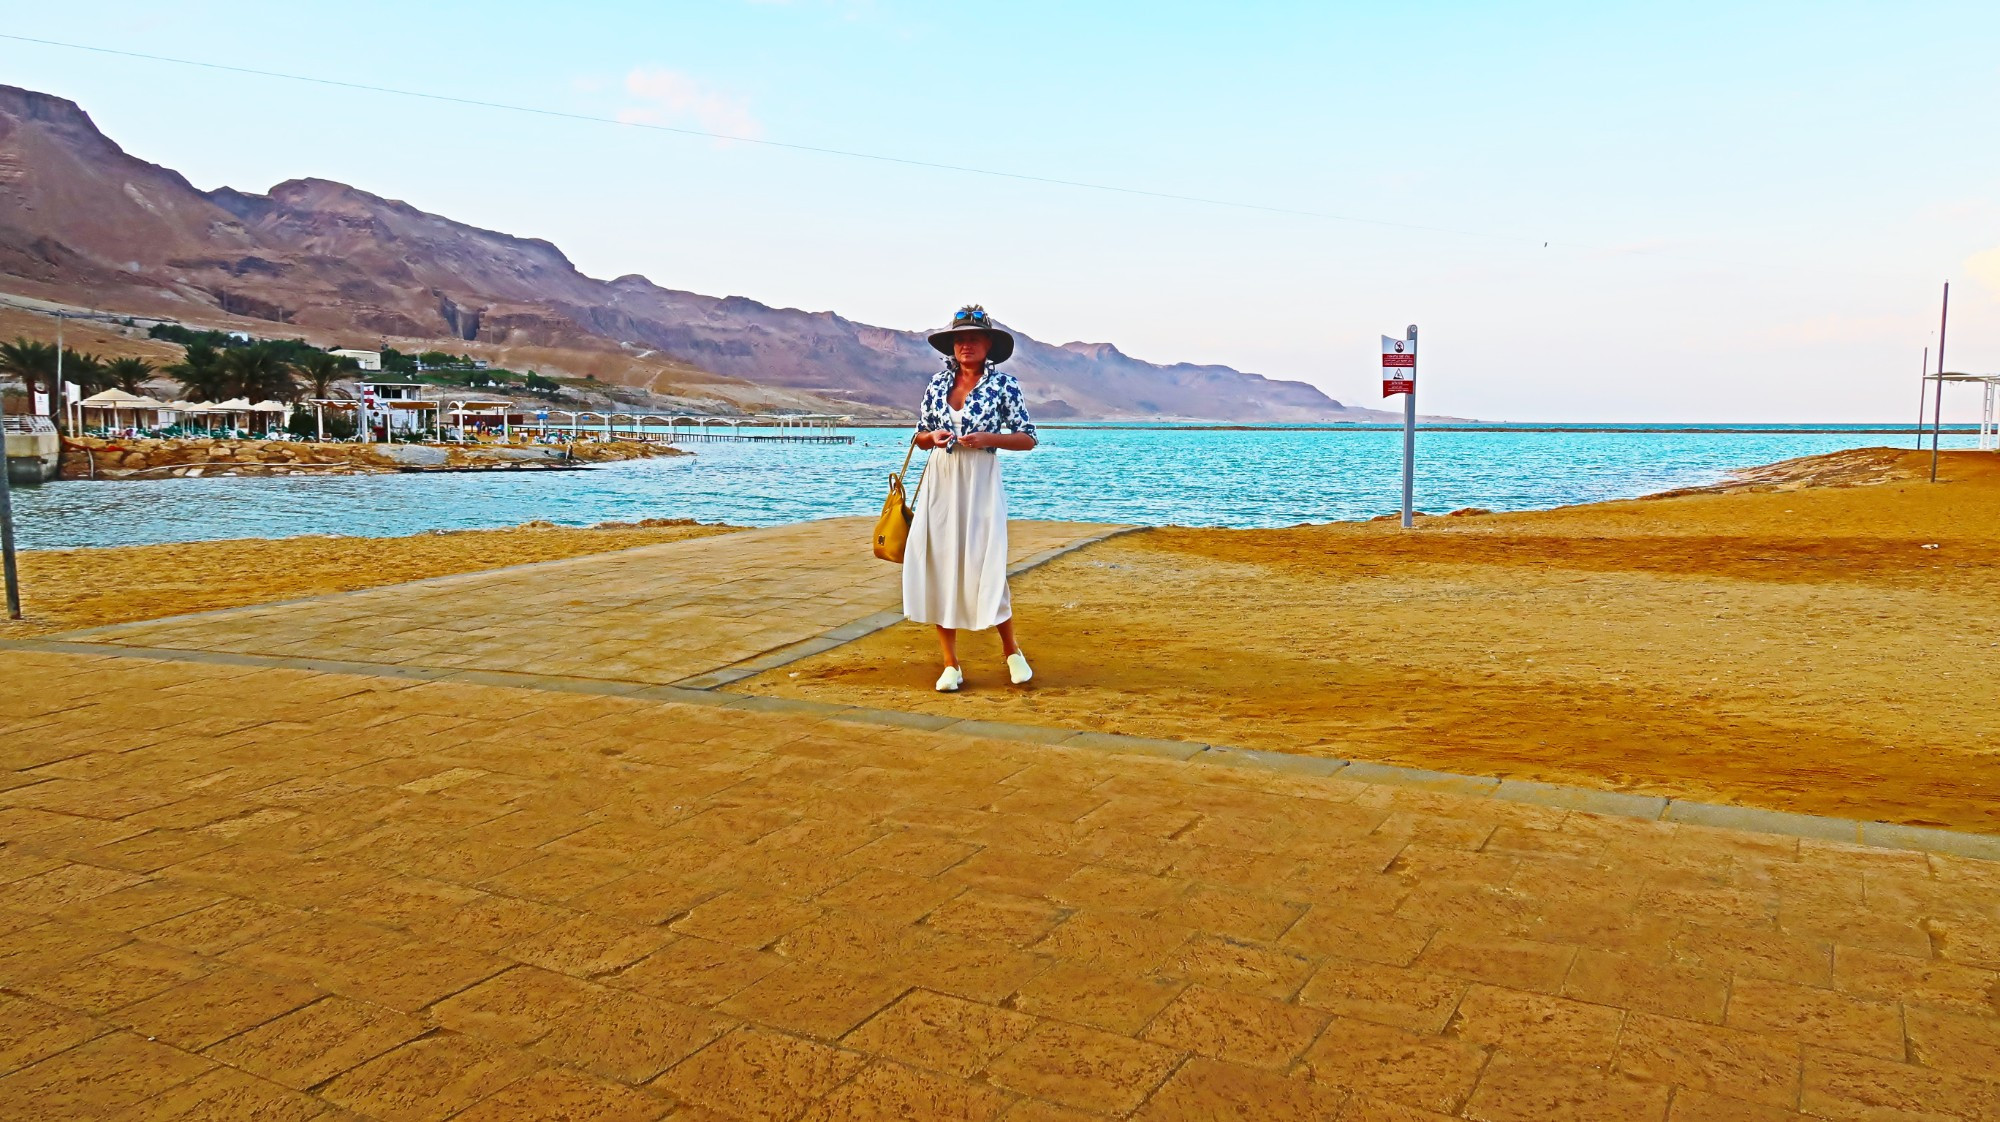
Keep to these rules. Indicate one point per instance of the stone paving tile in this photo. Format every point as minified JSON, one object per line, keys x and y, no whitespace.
{"x":564,"y":1095}
{"x":1514,"y":1089}
{"x":762,"y":1076}
{"x":1210,"y":1089}
{"x":410,"y":899}
{"x":1083,"y":1068}
{"x":32,"y":1030}
{"x":311,"y":1045}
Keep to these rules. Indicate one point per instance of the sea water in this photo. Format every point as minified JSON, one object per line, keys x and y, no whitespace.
{"x":1149,"y":475}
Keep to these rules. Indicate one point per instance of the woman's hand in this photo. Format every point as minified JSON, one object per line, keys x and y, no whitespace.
{"x":941,"y":438}
{"x":1009,"y":441}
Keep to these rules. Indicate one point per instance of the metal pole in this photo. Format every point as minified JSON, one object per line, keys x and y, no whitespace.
{"x":13,"y":578}
{"x":1923,"y":387}
{"x":1410,"y":437}
{"x":1937,"y":398}
{"x":58,"y":408}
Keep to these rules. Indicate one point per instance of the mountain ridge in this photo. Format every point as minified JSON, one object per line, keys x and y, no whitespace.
{"x":79,"y":213}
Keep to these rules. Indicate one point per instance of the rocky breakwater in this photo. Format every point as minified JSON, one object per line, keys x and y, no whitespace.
{"x":102,"y":458}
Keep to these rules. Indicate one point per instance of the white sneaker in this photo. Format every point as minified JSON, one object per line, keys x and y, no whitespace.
{"x":950,"y":680}
{"x":1017,"y":668}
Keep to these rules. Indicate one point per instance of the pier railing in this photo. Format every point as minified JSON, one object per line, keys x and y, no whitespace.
{"x":786,"y":428}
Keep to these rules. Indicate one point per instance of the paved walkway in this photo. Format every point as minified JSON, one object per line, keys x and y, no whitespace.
{"x":655,"y":615}
{"x":252,"y":892}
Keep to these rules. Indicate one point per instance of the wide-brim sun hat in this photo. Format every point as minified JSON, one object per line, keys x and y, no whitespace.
{"x":970,"y":320}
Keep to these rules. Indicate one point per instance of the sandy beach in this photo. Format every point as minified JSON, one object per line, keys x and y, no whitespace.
{"x":1785,"y":641}
{"x":1789,"y":642}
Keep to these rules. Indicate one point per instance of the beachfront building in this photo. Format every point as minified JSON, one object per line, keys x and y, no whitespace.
{"x":369,"y":361}
{"x":402,"y":408}
{"x":30,"y":448}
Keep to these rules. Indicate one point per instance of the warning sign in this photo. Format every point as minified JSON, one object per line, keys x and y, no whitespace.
{"x":1399,"y":366}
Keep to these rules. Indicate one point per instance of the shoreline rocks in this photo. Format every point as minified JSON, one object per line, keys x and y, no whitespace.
{"x":92,"y":457}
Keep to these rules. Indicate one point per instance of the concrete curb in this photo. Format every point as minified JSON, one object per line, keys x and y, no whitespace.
{"x":1657,"y":808}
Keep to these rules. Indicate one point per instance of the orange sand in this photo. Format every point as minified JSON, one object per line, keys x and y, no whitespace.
{"x":64,"y":589}
{"x":1786,"y":643}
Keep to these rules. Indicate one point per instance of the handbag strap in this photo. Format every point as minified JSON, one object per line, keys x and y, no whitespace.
{"x":905,"y":471}
{"x":921,"y":473}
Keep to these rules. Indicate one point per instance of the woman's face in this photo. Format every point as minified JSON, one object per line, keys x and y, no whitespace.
{"x":971,"y":349}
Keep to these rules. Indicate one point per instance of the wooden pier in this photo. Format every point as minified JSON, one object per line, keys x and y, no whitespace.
{"x":776,"y":438}
{"x":781,"y":428}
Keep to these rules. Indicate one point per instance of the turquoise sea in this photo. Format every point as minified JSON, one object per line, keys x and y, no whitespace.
{"x":1147,"y":474}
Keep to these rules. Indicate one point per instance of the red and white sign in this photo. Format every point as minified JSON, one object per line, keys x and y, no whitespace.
{"x":1399,"y":366}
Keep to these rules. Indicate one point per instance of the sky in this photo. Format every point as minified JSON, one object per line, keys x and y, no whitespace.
{"x":1592,"y":211}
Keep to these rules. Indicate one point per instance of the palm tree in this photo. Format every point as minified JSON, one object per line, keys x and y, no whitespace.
{"x":34,"y":363}
{"x":200,"y":373}
{"x":258,"y":373}
{"x":321,"y":370}
{"x":130,"y":373}
{"x":88,"y":371}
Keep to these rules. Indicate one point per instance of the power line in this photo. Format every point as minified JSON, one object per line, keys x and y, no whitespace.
{"x":820,"y":150}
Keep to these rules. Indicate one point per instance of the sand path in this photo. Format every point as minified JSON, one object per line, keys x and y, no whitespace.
{"x":1798,"y":649}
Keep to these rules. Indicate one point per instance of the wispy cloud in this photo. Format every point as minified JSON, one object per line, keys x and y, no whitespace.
{"x":1838,"y":329}
{"x":1985,"y":268}
{"x":850,"y":9}
{"x":669,"y":97}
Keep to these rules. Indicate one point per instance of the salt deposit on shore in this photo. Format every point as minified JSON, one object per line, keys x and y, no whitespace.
{"x":92,"y":457}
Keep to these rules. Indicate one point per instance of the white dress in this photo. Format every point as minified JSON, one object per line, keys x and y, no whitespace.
{"x":955,"y":565}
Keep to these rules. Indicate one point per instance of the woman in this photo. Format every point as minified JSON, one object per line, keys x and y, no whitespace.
{"x":955,"y":565}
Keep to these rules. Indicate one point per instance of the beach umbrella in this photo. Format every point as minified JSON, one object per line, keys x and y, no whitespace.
{"x":116,"y":397}
{"x":112,"y":400}
{"x":277,"y":409}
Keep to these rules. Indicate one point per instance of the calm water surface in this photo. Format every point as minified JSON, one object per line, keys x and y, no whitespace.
{"x":1189,"y":477}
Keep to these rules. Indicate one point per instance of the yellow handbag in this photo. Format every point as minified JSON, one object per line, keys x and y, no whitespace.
{"x":892,"y":530}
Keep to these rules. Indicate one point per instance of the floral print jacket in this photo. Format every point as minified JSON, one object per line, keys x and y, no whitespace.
{"x":994,"y":405}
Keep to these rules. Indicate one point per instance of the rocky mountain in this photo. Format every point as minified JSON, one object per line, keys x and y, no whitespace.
{"x":80,"y":218}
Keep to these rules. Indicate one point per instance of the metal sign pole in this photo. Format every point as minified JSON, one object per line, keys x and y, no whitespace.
{"x":1937,"y":397}
{"x":1410,"y":437}
{"x":58,"y":412}
{"x":13,"y":578}
{"x":1399,"y":376}
{"x":1923,"y":387}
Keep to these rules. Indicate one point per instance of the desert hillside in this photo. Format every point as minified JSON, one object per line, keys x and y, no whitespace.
{"x":83,"y":221}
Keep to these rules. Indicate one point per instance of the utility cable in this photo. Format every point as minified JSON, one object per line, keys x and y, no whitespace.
{"x":846,"y":153}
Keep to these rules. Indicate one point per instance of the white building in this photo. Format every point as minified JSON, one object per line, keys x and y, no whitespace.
{"x":367,"y":360}
{"x":404,"y":405}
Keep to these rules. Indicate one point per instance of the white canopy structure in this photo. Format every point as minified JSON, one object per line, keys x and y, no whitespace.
{"x":1989,"y":412}
{"x":110,"y":403}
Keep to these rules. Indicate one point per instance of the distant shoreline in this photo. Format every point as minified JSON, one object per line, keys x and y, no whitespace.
{"x":1497,"y":426}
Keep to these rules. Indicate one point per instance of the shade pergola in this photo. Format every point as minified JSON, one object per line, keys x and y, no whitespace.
{"x":1989,"y":412}
{"x":476,"y":410}
{"x":231,"y":409}
{"x":113,"y":401}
